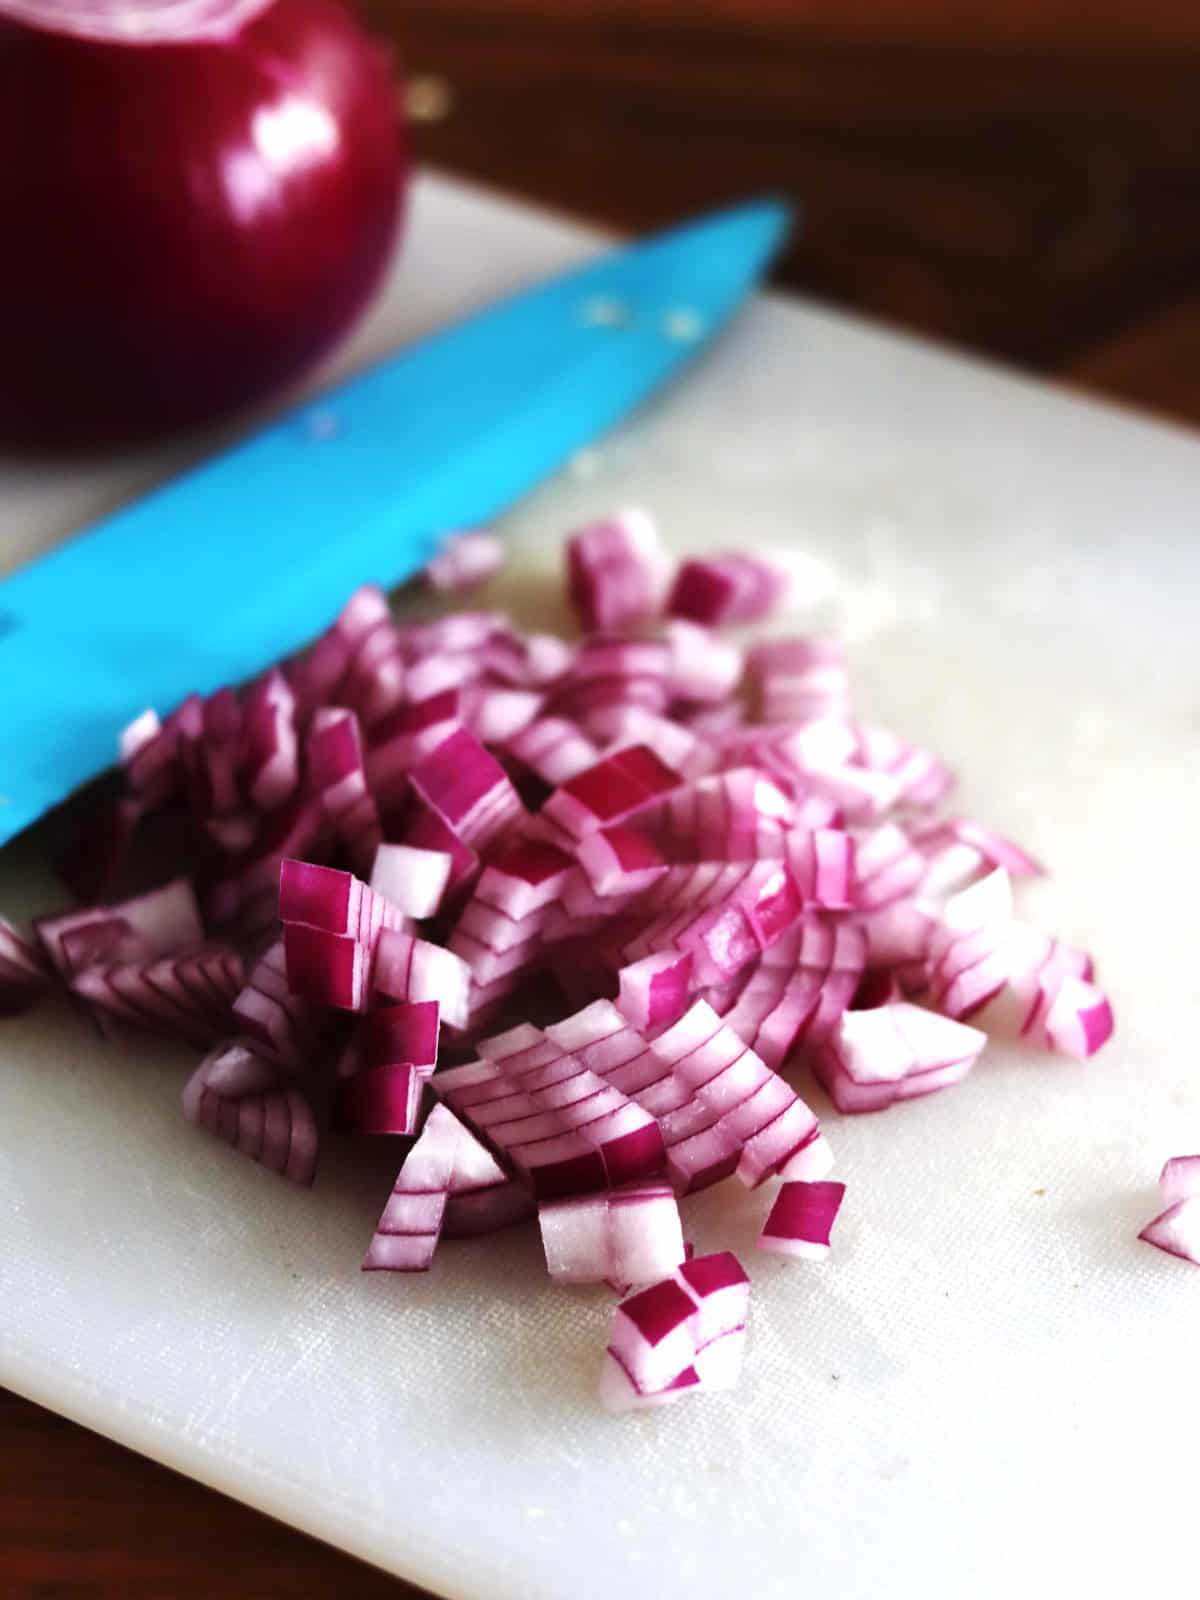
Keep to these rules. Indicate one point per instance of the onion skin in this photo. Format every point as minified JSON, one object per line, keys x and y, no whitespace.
{"x":187,"y":226}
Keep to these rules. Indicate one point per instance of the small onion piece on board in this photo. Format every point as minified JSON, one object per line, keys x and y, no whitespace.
{"x":24,"y":973}
{"x":631,"y":1235}
{"x":684,"y":1333}
{"x":1180,"y":1179}
{"x":895,"y":1052}
{"x":728,"y":588}
{"x":240,"y":1097}
{"x":407,"y":1233}
{"x":465,"y":561}
{"x":616,"y":571}
{"x":1177,"y":1229}
{"x":800,"y":1221}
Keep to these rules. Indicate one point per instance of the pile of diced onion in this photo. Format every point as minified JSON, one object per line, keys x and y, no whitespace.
{"x":571,"y":917}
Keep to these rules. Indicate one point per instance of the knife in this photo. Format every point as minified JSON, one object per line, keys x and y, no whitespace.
{"x":239,"y":561}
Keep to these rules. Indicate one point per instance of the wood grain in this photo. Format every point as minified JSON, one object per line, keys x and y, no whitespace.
{"x":81,"y":1516}
{"x":1034,"y":198}
{"x":1020,"y":178}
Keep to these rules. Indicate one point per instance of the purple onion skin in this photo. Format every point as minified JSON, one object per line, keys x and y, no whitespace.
{"x":156,"y":266}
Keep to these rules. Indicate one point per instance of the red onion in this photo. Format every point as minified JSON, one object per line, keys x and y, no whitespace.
{"x":282,"y":1026}
{"x":378,"y":1100}
{"x":199,"y":197}
{"x":630,"y":1235}
{"x":728,"y":588}
{"x":24,"y":973}
{"x":1180,"y":1179}
{"x":567,"y":1130}
{"x":596,"y":833}
{"x":616,"y":570}
{"x":684,"y":1332}
{"x":465,"y":561}
{"x":1177,"y":1229}
{"x":800,"y":1221}
{"x":237,"y":1096}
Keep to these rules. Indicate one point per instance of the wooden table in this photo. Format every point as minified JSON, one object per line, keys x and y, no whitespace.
{"x":1023,"y":182}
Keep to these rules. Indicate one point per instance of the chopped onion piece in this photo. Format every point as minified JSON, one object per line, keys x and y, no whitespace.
{"x":801,"y":1219}
{"x":704,"y":668}
{"x":336,"y":769}
{"x":24,"y":975}
{"x":799,"y":680}
{"x":414,"y":970}
{"x":1180,"y":1179}
{"x":282,"y":1025}
{"x":272,"y":1124}
{"x":464,"y":562}
{"x":1177,"y":1230}
{"x":468,"y":789}
{"x":615,"y":788}
{"x":413,"y":880}
{"x":896,"y":1052}
{"x":660,"y":1334}
{"x":616,"y":571}
{"x":728,"y":588}
{"x":407,"y":1233}
{"x":631,"y":1235}
{"x":654,"y":991}
{"x":378,"y":1100}
{"x":401,"y":1034}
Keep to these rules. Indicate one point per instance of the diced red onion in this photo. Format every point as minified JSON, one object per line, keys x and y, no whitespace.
{"x":407,"y":1233}
{"x":164,"y":922}
{"x":728,"y":588}
{"x":620,"y":861}
{"x":465,"y":561}
{"x":378,"y":1100}
{"x":616,"y":571}
{"x":282,"y":1025}
{"x":631,"y":1235}
{"x":745,"y":890}
{"x":704,"y":668}
{"x":24,"y":974}
{"x":413,"y":880}
{"x":336,"y":769}
{"x":801,"y":1219}
{"x":495,"y":716}
{"x":272,"y":1124}
{"x":1180,"y":1179}
{"x":612,"y":790}
{"x":523,"y":878}
{"x":888,"y":867}
{"x":468,"y":789}
{"x":564,"y":1128}
{"x":895,"y":1052}
{"x":412,"y":969}
{"x":798,"y":680}
{"x":989,"y":849}
{"x":660,"y":1333}
{"x":554,"y":748}
{"x":654,"y":991}
{"x":408,"y":733}
{"x":399,"y":1034}
{"x":1177,"y":1230}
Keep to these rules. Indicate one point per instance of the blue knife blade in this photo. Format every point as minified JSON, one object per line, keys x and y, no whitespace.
{"x":218,"y":572}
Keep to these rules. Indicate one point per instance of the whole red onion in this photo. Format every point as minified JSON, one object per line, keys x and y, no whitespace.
{"x":196,"y":199}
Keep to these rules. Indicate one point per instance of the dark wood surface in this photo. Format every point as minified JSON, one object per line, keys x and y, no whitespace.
{"x":1022,"y":179}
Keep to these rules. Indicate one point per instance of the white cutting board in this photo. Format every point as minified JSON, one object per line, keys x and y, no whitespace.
{"x":990,"y":1388}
